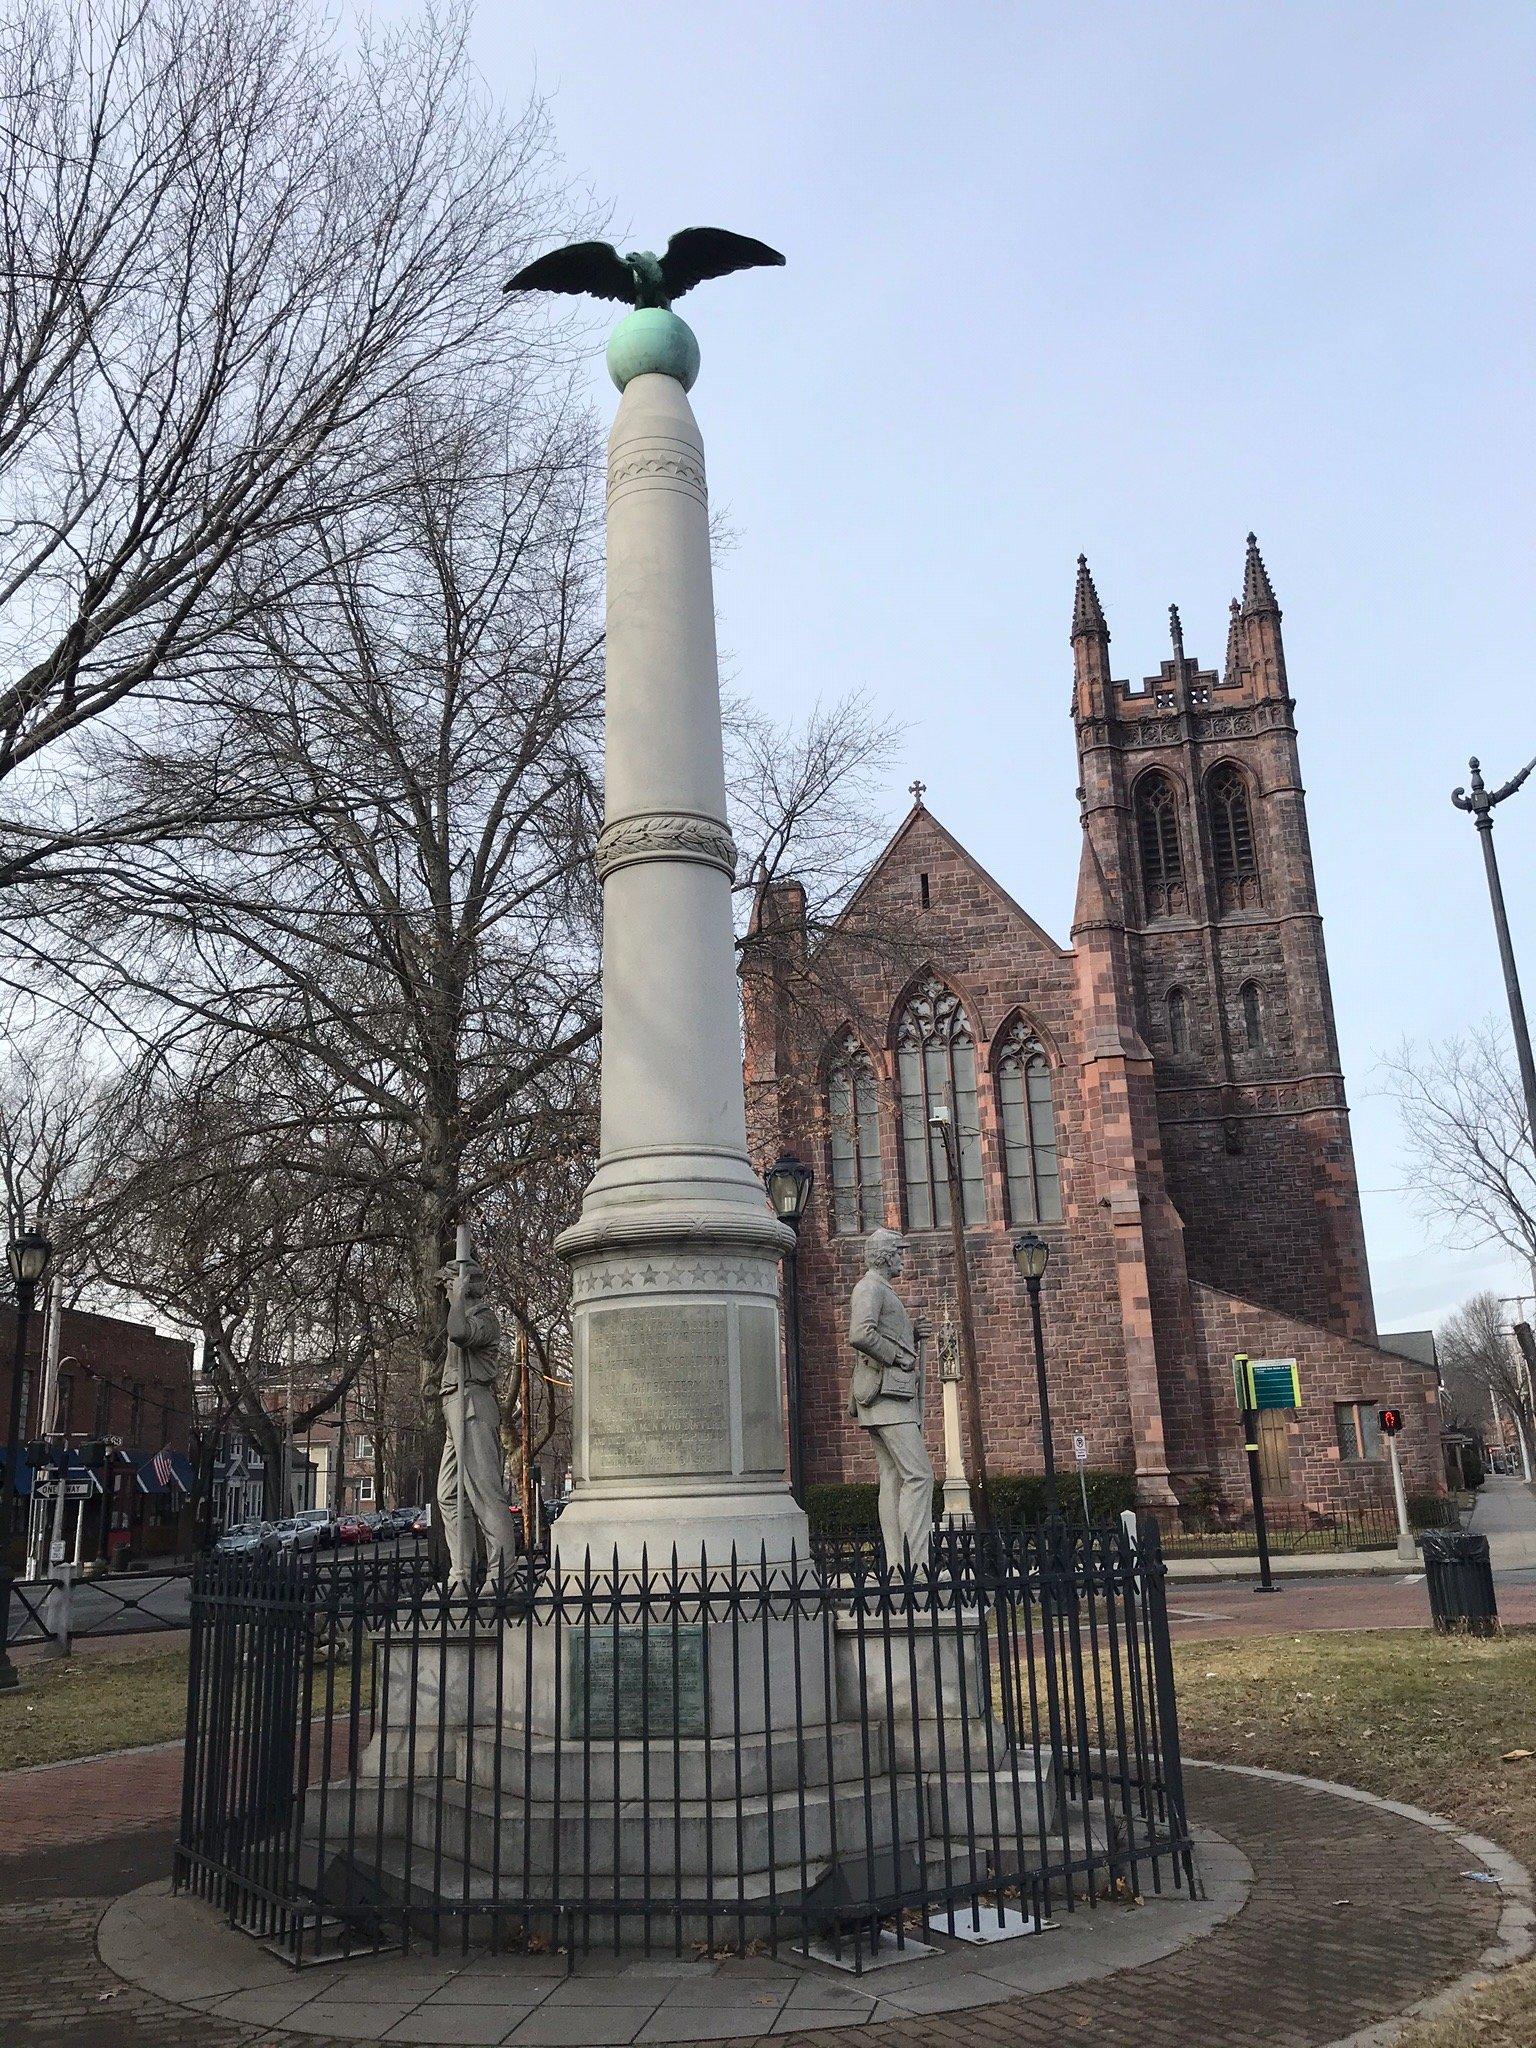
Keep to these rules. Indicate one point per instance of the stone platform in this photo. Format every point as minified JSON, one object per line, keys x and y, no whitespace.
{"x":183,"y":1951}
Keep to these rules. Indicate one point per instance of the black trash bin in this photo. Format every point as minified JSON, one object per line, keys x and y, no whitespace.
{"x":1460,"y":1575}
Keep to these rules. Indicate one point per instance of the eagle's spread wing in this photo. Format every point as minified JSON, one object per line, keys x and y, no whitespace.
{"x":595,"y":267}
{"x":696,"y":253}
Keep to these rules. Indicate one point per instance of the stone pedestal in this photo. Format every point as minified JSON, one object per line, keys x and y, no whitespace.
{"x":957,"y":1488}
{"x":431,"y":1690}
{"x":787,"y":1759}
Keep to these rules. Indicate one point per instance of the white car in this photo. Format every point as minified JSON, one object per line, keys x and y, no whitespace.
{"x":294,"y":1532}
{"x":242,"y":1539}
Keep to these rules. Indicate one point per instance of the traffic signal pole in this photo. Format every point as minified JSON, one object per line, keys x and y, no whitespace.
{"x":1256,"y":1483}
{"x":1391,"y":1421}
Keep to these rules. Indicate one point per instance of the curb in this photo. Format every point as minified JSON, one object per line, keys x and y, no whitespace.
{"x":1348,"y":1564}
{"x":100,"y":1756}
{"x":1517,"y":1920}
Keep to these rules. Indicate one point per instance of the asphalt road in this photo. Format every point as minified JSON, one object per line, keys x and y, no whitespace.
{"x":128,"y":1603}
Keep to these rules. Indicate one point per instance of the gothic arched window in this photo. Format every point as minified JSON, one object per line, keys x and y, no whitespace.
{"x":1253,"y":1016}
{"x":1027,"y":1112}
{"x":1178,"y":1020}
{"x":936,"y":1066}
{"x":853,"y":1139}
{"x":1157,"y":840}
{"x":1233,"y":853}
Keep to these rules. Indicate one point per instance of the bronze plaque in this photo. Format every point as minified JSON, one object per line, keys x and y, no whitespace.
{"x":653,"y":1683}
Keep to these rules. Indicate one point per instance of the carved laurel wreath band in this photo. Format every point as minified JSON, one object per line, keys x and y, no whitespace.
{"x":665,"y":835}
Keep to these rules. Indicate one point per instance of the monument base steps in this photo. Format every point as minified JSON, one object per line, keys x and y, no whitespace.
{"x":889,"y":1749}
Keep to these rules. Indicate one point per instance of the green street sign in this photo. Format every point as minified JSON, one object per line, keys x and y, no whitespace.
{"x":1265,"y":1382}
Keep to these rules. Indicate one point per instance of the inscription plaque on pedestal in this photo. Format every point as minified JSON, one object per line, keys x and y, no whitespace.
{"x":655,"y":1691}
{"x":762,"y":1417}
{"x":657,"y":1390}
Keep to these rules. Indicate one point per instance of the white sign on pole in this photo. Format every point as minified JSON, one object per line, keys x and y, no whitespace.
{"x":1080,"y":1448}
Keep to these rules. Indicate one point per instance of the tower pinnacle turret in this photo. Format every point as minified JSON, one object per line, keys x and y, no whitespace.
{"x":1232,"y":668}
{"x":1258,"y":591}
{"x":1087,"y":612}
{"x":1093,"y":692}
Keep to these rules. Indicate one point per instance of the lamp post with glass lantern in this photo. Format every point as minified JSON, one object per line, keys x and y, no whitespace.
{"x":27,"y":1255}
{"x":1032,"y":1255}
{"x":789,"y":1182}
{"x":940,"y":1120}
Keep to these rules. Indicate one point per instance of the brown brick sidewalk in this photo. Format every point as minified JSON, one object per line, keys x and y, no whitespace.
{"x":1355,"y":1913}
{"x":68,"y":1803}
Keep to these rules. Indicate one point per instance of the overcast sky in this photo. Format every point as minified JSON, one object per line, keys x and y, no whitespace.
{"x":1130,"y":280}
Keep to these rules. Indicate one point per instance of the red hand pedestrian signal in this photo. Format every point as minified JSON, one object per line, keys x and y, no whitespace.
{"x":1391,"y":1420}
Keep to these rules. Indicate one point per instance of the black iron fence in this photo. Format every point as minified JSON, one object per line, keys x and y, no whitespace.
{"x":1302,"y":1531}
{"x":112,"y":1604}
{"x":731,"y":1758}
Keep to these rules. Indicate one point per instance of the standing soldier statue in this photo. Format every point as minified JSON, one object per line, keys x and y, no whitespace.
{"x":886,"y":1398}
{"x":470,"y":1490}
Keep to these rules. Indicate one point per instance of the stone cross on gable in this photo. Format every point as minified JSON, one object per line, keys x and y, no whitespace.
{"x":918,"y":790}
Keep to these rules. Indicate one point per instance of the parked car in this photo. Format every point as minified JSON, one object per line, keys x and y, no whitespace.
{"x":241,"y":1540}
{"x":292,"y":1533}
{"x":422,"y":1524}
{"x":323,"y":1521}
{"x":353,"y":1529}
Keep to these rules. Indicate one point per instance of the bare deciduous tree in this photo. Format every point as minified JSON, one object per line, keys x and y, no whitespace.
{"x":230,"y":249}
{"x":1477,"y":1347}
{"x":389,"y":909}
{"x":1468,"y":1152}
{"x":49,"y":1106}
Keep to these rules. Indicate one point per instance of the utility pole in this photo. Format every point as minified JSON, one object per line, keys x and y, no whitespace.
{"x":941,"y":1121}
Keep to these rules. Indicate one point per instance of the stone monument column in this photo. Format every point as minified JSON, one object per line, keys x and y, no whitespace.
{"x":678,"y":1421}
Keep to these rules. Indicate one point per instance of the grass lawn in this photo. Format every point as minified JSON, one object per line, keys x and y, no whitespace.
{"x":80,"y":1706}
{"x":85,"y":1706}
{"x":1433,"y":1720}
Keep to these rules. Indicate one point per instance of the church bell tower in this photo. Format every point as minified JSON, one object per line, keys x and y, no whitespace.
{"x":1193,"y":804}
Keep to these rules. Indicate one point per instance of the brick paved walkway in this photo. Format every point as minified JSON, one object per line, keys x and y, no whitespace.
{"x":1355,"y":1913}
{"x":80,"y":1802}
{"x":1208,"y":1608}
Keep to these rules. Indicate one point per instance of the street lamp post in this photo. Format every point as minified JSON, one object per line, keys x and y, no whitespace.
{"x":1480,"y":800}
{"x":27,"y":1255}
{"x":1032,"y":1255}
{"x":941,"y":1121}
{"x":789,"y":1182}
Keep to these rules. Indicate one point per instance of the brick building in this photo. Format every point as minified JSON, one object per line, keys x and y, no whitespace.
{"x":125,"y":1384}
{"x":1162,"y":1099}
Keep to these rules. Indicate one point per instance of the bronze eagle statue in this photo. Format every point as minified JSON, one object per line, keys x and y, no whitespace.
{"x":641,"y":278}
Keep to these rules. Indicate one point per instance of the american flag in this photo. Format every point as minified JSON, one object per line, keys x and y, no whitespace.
{"x":163,"y":1469}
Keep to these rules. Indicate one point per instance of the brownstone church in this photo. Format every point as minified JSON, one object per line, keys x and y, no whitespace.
{"x":1161,"y":1099}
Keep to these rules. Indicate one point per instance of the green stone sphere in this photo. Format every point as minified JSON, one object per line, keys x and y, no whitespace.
{"x":653,"y":340}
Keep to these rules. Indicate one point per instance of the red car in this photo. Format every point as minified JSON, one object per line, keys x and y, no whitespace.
{"x":353,"y":1529}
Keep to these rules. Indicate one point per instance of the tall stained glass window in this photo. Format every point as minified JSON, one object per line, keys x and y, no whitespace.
{"x":936,"y":1065}
{"x":853,"y":1138}
{"x":1027,"y":1113}
{"x":1160,"y":847}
